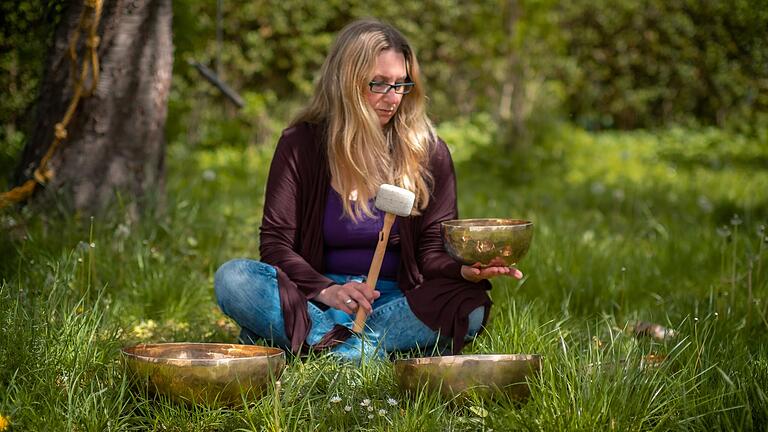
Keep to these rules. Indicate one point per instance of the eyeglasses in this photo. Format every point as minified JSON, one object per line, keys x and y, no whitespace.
{"x":383,"y":88}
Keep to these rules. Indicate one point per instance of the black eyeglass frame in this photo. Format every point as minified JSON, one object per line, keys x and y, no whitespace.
{"x":405,"y":86}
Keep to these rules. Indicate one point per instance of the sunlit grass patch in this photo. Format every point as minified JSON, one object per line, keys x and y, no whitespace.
{"x":709,"y":167}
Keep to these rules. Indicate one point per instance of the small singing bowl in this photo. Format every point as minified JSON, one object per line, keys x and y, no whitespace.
{"x":212,"y":374}
{"x":497,"y":242}
{"x":486,"y":375}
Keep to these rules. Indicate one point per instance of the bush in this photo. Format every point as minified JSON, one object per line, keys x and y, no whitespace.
{"x":638,"y":64}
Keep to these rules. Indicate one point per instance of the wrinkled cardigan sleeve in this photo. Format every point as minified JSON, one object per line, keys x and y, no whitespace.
{"x":441,"y":298}
{"x":433,"y":260}
{"x":280,"y":236}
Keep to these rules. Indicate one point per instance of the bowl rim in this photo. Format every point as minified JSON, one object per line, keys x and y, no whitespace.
{"x":128,"y":353}
{"x":475,"y":223}
{"x":460,"y":358}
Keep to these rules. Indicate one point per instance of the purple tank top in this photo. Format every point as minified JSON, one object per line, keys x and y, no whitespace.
{"x":349,"y":247}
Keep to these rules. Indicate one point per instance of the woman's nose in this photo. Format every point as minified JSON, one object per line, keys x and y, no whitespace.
{"x":391,"y":96}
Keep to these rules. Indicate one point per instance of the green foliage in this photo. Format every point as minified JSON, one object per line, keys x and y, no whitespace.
{"x":608,"y":64}
{"x":638,"y":64}
{"x":603,"y":64}
{"x":466,"y":137}
{"x":273,"y":51}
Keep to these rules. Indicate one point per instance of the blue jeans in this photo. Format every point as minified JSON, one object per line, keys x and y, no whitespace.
{"x":247,"y":291}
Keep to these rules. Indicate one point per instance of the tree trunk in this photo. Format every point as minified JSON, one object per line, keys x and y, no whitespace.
{"x":115,"y":141}
{"x":512,"y":101}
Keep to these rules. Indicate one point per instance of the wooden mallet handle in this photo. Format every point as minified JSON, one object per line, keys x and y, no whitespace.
{"x":373,"y":272}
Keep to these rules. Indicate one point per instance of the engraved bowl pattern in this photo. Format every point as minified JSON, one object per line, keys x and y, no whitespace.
{"x":500,"y":242}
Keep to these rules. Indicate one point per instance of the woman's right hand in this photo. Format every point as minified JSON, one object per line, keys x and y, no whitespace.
{"x":339,"y":296}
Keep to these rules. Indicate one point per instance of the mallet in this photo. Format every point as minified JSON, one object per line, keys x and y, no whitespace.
{"x":393,"y":201}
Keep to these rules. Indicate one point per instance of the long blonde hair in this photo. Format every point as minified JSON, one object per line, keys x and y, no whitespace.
{"x":362,"y":154}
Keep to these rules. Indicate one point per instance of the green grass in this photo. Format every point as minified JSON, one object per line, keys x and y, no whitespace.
{"x":658,"y":226}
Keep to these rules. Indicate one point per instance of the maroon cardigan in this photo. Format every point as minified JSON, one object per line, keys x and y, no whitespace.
{"x":292,"y":241}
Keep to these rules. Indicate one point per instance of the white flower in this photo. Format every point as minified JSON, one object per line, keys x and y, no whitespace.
{"x":209,"y":175}
{"x":705,"y":204}
{"x":723,"y":231}
{"x":335,"y":399}
{"x":382,"y":412}
{"x":391,"y":402}
{"x":370,"y":408}
{"x":365,"y":402}
{"x":122,"y":231}
{"x":370,"y":416}
{"x":347,"y":408}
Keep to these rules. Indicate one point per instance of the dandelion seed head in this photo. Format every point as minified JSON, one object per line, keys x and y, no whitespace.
{"x":122,"y":231}
{"x":705,"y":204}
{"x":723,"y":231}
{"x":588,"y":237}
{"x":597,"y":188}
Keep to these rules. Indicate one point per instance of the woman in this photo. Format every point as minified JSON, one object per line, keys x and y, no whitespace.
{"x":365,"y":126}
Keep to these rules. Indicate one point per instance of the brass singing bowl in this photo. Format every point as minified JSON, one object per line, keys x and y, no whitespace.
{"x":208,"y":373}
{"x":482,"y":374}
{"x":498,"y":242}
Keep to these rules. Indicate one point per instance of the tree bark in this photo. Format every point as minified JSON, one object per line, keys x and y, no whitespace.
{"x":115,"y":142}
{"x":512,"y":100}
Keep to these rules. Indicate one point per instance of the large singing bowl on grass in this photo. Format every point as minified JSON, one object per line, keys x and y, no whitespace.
{"x":497,"y":242}
{"x":208,"y":373}
{"x":486,"y":375}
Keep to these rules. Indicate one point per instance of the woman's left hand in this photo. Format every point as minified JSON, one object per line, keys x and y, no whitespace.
{"x":476,"y":272}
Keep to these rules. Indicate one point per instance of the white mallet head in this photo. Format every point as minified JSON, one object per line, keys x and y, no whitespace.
{"x":395,"y":200}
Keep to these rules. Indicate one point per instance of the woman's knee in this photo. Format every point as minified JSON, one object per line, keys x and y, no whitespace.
{"x":476,"y":318}
{"x":229,"y":275}
{"x":240,"y":277}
